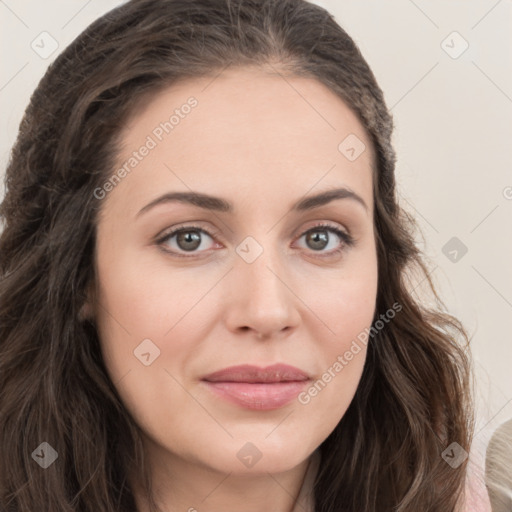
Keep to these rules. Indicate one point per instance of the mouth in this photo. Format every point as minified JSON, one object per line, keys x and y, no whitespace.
{"x":258,"y":396}
{"x":254,"y":374}
{"x":258,"y":388}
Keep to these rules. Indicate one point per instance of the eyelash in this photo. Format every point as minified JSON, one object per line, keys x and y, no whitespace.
{"x":347,"y":240}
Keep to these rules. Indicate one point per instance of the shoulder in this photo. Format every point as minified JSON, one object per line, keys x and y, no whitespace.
{"x":476,"y":496}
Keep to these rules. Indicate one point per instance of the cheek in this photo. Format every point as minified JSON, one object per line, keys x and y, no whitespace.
{"x":140,"y":309}
{"x":346,"y":306}
{"x":142,"y":298}
{"x":139,"y":321}
{"x":350,"y":305}
{"x":346,"y":302}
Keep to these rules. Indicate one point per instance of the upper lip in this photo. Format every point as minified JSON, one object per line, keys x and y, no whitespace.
{"x":249,"y":373}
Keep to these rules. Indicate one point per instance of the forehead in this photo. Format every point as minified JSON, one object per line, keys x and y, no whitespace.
{"x":245,"y":131}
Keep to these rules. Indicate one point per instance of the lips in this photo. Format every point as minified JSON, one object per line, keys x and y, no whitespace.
{"x":261,"y":389}
{"x":254,"y":374}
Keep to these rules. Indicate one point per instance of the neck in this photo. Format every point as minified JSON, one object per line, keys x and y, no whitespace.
{"x":183,"y":486}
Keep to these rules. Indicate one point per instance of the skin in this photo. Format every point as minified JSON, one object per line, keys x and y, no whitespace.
{"x":262,"y":143}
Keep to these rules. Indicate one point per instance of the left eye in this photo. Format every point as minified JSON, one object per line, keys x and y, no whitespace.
{"x":318,"y":236}
{"x":189,"y":239}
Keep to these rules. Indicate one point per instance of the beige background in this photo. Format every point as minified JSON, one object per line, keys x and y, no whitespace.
{"x":453,"y":116}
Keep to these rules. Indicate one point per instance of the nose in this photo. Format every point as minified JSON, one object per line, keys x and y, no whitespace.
{"x":262,"y":299}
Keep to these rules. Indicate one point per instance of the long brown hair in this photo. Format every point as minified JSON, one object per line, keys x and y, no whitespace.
{"x":414,"y":397}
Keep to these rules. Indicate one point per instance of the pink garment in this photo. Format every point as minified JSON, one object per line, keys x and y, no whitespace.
{"x":477,"y":497}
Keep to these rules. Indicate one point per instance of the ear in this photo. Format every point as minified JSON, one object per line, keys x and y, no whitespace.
{"x":87,"y":310}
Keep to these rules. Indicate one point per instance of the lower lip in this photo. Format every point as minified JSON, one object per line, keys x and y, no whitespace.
{"x":259,"y":396}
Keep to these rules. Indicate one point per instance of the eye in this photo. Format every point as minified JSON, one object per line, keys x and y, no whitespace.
{"x":318,"y":239}
{"x":191,"y":239}
{"x":187,"y":239}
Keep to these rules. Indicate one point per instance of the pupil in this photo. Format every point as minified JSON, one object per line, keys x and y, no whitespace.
{"x":318,"y":237}
{"x":189,"y":237}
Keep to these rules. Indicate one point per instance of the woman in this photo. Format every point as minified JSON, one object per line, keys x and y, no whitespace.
{"x":281,"y":361}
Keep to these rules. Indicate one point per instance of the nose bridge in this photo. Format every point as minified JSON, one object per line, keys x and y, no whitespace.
{"x":262,"y":300}
{"x":260,"y":267}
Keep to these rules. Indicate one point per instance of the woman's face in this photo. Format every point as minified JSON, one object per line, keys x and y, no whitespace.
{"x":255,"y":283}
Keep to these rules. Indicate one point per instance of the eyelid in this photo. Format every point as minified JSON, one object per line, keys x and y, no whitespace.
{"x":327,"y":225}
{"x":347,"y":240}
{"x":166,"y":234}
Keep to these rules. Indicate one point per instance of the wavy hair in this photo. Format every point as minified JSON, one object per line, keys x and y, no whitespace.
{"x":414,"y":396}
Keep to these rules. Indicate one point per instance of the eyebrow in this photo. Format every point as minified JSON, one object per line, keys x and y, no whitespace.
{"x":218,"y":204}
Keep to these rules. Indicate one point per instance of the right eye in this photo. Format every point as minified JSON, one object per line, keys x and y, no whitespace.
{"x":187,"y":239}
